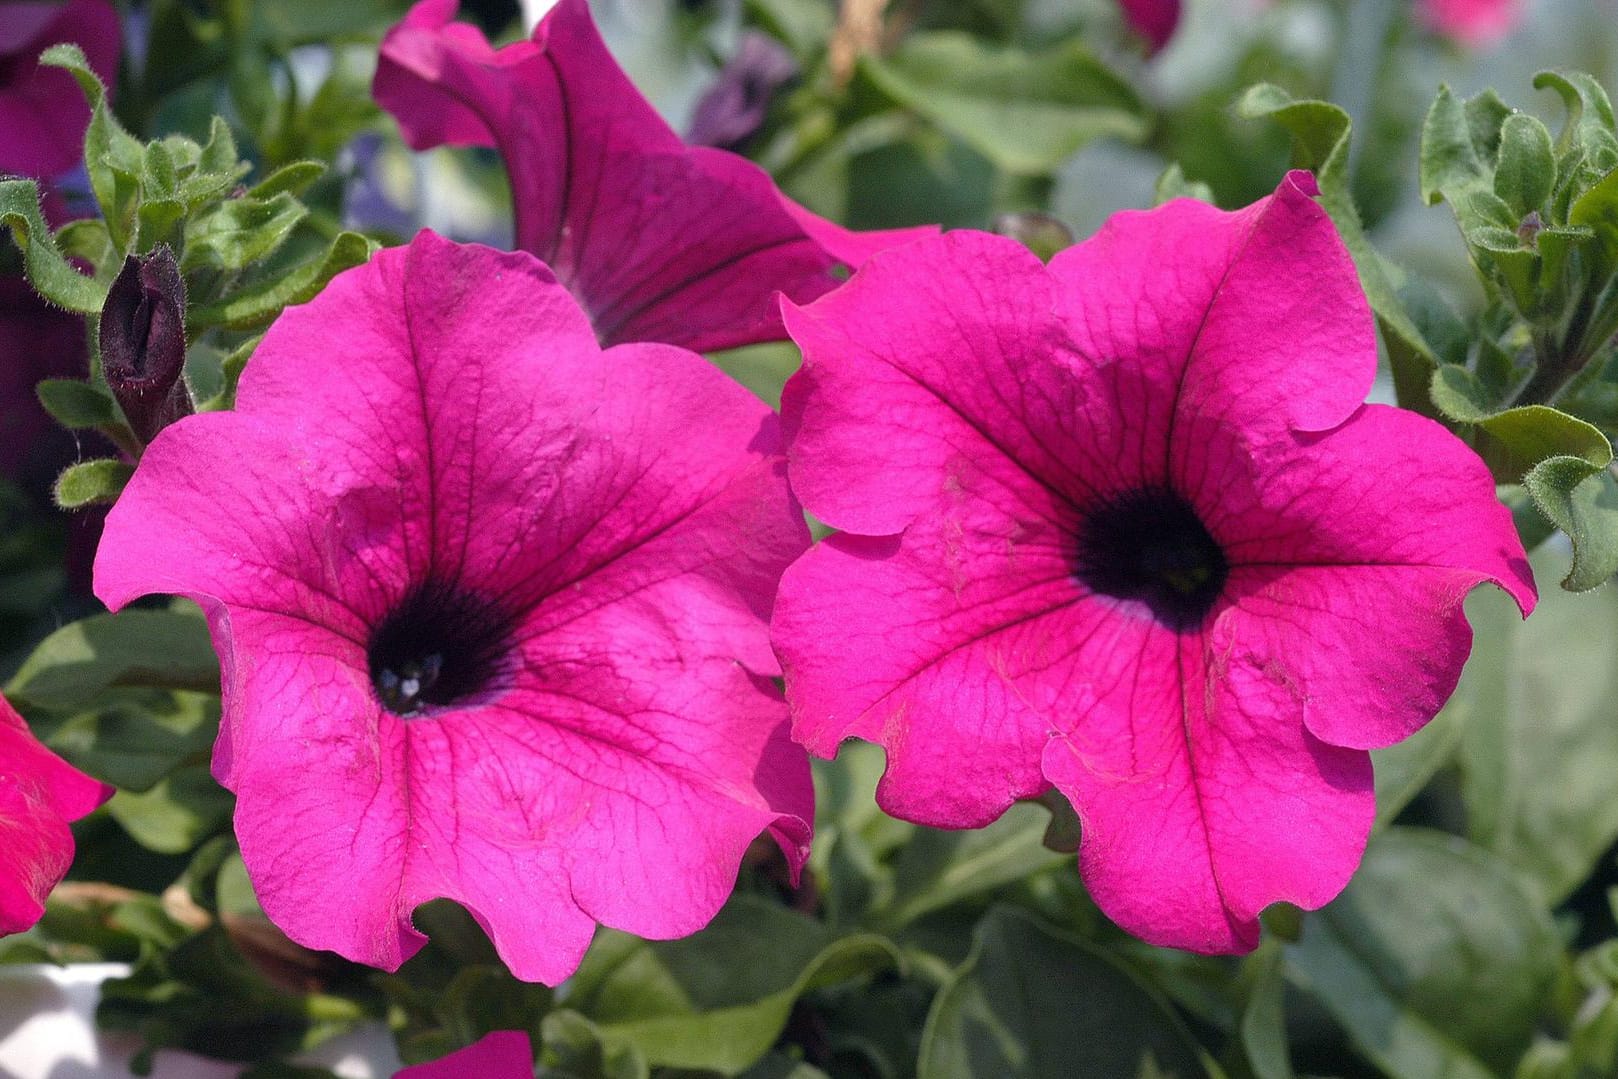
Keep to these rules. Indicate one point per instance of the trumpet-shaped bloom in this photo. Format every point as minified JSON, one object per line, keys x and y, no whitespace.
{"x":1122,"y":526}
{"x":490,"y":606}
{"x":42,"y":112}
{"x":39,"y":794}
{"x":659,"y":241}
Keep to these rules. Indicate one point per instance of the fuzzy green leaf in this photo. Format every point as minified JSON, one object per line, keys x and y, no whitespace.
{"x":1582,"y":501}
{"x":77,"y":404}
{"x":255,"y":307}
{"x":91,"y":483}
{"x":48,"y":272}
{"x":1526,"y":170}
{"x":241,"y":231}
{"x":113,"y":157}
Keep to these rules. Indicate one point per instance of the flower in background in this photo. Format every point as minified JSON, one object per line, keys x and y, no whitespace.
{"x":658,"y":240}
{"x":42,"y":113}
{"x":37,"y":342}
{"x":39,"y":794}
{"x":490,"y":606}
{"x":1473,"y":23}
{"x":737,"y":103}
{"x":500,"y":1054}
{"x":1154,"y":20}
{"x":1123,"y":527}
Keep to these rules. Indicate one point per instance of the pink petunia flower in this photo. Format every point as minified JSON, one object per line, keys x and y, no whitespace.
{"x":1154,"y":20}
{"x":500,"y":1054}
{"x":660,"y":241}
{"x":1123,"y":526}
{"x":42,"y":112}
{"x":490,"y":606}
{"x":39,"y":794}
{"x":1473,"y":23}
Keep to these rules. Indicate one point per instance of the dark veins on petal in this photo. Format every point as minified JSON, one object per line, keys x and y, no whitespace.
{"x":1148,"y":544}
{"x":440,"y":645}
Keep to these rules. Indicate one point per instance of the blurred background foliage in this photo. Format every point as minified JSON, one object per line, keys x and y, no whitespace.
{"x":1479,"y":938}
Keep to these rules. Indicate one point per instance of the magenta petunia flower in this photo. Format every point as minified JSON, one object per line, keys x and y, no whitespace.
{"x":39,"y":794}
{"x":42,"y":112}
{"x":659,"y":241}
{"x":499,"y":1054}
{"x":1123,"y":526}
{"x":1154,"y":20}
{"x":490,"y":606}
{"x":1473,"y":23}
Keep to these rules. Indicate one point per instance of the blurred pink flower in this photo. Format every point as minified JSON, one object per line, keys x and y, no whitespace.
{"x":490,"y":606}
{"x":39,"y":794}
{"x":500,"y":1054}
{"x":1154,"y":20}
{"x":1473,"y":23}
{"x":658,"y":240}
{"x":42,"y":112}
{"x":1123,"y":526}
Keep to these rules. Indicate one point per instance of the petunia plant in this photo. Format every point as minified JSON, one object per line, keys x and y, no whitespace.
{"x":791,"y":540}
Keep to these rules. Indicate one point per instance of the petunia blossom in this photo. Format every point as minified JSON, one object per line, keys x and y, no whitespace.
{"x":1473,"y":23}
{"x":39,"y":794}
{"x":660,"y":241}
{"x":1123,"y":527}
{"x":490,"y":606}
{"x":499,"y":1054}
{"x":42,"y":113}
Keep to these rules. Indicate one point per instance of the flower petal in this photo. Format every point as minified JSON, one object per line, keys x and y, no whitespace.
{"x":42,"y":113}
{"x":660,"y":241}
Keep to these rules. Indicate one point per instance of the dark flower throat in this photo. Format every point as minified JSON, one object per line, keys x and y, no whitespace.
{"x":1148,"y":544}
{"x":438,"y":646}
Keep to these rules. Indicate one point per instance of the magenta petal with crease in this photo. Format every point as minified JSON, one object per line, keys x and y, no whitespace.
{"x":660,"y":241}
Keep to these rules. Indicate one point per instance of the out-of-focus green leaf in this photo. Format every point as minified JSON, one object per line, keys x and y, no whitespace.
{"x":1583,"y":502}
{"x":719,"y":999}
{"x":1404,"y":768}
{"x":178,"y":812}
{"x":132,"y":739}
{"x":1174,"y":185}
{"x":1026,"y":112}
{"x":48,"y":272}
{"x":574,"y":1050}
{"x":1030,"y":1003}
{"x":91,"y":483}
{"x":1263,"y":1022}
{"x":159,"y":649}
{"x":1435,"y":959}
{"x":1540,"y":746}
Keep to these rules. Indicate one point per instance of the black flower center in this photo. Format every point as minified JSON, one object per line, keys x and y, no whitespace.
{"x":1148,"y":544}
{"x":440,"y":645}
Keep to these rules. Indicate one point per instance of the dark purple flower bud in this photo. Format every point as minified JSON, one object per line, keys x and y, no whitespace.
{"x":735,"y":106}
{"x":143,"y":342}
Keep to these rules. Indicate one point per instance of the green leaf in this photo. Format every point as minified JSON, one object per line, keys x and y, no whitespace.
{"x":1597,"y":210}
{"x":178,"y":812}
{"x":1526,"y":170}
{"x":1404,"y":768}
{"x":91,"y":483}
{"x":1583,"y":502}
{"x":76,"y":404}
{"x":1320,"y":138}
{"x":1174,"y":185}
{"x":140,"y":648}
{"x":1435,"y":959}
{"x":292,"y":179}
{"x":256,"y":307}
{"x":1540,"y":746}
{"x":132,"y":739}
{"x":1518,"y":438}
{"x":1586,"y":102}
{"x":1030,"y":1002}
{"x":241,"y":231}
{"x":937,"y":869}
{"x":573,"y":1048}
{"x":1026,"y":112}
{"x":1263,"y":1023}
{"x":48,"y":272}
{"x":113,"y":158}
{"x":1450,"y":162}
{"x":719,"y":999}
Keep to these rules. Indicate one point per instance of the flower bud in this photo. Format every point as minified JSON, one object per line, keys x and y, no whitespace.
{"x":143,"y":342}
{"x":735,"y":106}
